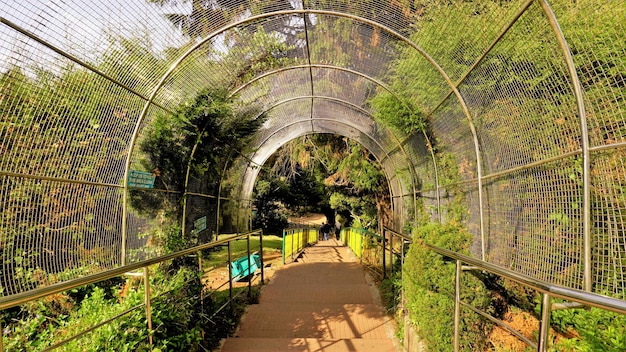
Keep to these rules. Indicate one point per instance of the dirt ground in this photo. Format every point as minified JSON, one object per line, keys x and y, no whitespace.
{"x":312,"y":218}
{"x":522,"y":322}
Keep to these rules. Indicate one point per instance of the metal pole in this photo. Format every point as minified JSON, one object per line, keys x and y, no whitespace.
{"x":200,"y":270}
{"x":283,"y":244}
{"x":230,"y":279}
{"x":146,"y":284}
{"x":384,"y":255}
{"x":402,"y":276}
{"x":361,"y":245}
{"x":249,"y":268}
{"x":391,"y":252}
{"x":545,"y":323}
{"x":584,"y":140}
{"x":457,"y":305}
{"x":1,"y":337}
{"x":219,"y":199}
{"x":261,"y":249}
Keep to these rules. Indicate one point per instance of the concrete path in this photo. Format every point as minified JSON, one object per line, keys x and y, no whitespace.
{"x":321,"y":302}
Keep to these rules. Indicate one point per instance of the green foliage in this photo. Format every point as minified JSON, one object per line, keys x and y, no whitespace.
{"x":190,"y":150}
{"x":180,"y":317}
{"x":322,"y":173}
{"x":401,"y":115}
{"x":429,"y":288}
{"x":598,"y":330}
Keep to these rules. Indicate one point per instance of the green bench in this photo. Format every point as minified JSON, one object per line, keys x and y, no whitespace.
{"x":240,"y":269}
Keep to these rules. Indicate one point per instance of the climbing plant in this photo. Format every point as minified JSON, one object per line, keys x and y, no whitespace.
{"x":199,"y":138}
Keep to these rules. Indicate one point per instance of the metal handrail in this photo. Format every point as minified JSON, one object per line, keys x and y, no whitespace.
{"x":584,"y":297}
{"x":10,"y":301}
{"x":23,"y":297}
{"x":548,"y":291}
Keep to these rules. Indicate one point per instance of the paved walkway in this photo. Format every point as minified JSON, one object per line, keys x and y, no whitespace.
{"x":321,"y":302}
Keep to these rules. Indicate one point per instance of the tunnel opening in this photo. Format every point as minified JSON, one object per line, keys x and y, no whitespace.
{"x":322,"y":173}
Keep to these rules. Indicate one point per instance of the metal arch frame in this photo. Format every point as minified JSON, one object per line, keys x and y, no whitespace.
{"x":75,"y":59}
{"x":330,"y":67}
{"x":377,"y":82}
{"x":247,"y":193}
{"x":342,"y":122}
{"x":584,"y":136}
{"x":337,"y":100}
{"x":175,"y":65}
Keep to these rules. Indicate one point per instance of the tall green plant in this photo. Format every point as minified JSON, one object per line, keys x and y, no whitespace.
{"x":202,"y":136}
{"x":429,"y":287}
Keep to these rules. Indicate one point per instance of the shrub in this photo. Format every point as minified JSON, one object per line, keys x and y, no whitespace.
{"x":429,"y":291}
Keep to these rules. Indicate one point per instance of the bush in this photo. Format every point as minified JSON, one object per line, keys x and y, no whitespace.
{"x":597,"y":330}
{"x":429,"y":291}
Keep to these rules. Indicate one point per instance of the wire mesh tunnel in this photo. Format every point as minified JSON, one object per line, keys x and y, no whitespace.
{"x":514,"y":112}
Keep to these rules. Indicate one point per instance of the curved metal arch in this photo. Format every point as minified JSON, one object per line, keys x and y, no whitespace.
{"x":307,"y":66}
{"x":247,"y":190}
{"x":175,"y":65}
{"x":389,"y":178}
{"x":337,"y":100}
{"x":377,"y":82}
{"x":342,"y":122}
{"x":584,"y":136}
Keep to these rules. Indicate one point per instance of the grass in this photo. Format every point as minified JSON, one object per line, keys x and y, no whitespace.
{"x":239,"y":249}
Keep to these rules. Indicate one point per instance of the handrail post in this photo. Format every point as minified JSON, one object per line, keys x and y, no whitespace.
{"x":283,"y":244}
{"x":1,"y":337}
{"x":262,"y":260}
{"x":361,"y":245}
{"x":402,"y":276}
{"x":230,"y":279}
{"x":249,"y":268}
{"x":545,"y":323}
{"x":201,"y":272}
{"x":384,"y":255}
{"x":391,"y":252}
{"x":457,"y":305}
{"x":146,"y":284}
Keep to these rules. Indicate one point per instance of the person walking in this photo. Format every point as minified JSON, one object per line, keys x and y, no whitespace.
{"x":326,"y":230}
{"x":337,"y":229}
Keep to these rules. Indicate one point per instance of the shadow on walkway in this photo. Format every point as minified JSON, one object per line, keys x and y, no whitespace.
{"x":321,"y":302}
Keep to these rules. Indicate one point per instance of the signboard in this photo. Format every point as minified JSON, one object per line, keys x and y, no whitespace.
{"x":199,"y":224}
{"x":140,"y":179}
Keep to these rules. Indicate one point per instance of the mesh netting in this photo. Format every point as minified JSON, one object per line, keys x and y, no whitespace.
{"x":521,"y":134}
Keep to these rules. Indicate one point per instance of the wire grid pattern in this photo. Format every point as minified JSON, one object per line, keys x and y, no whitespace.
{"x":546,"y":123}
{"x":360,"y":46}
{"x":595,"y":33}
{"x":362,"y":124}
{"x":215,"y":63}
{"x":427,"y":84}
{"x":454,"y":146}
{"x":609,"y":216}
{"x":392,"y":15}
{"x":342,"y":85}
{"x":71,"y":100}
{"x":270,"y":90}
{"x":536,"y":223}
{"x":403,"y":172}
{"x":416,"y":147}
{"x":284,"y":115}
{"x":473,"y":26}
{"x":45,"y":231}
{"x":61,"y":135}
